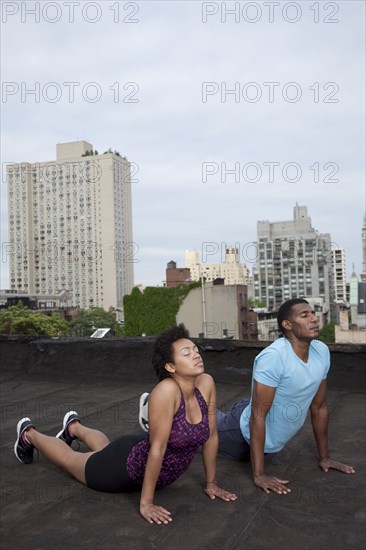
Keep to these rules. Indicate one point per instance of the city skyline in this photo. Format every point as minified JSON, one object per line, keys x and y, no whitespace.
{"x":226,"y":119}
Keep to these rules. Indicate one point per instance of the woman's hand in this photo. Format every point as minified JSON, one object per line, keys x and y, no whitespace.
{"x":213,"y":491}
{"x":155,"y":514}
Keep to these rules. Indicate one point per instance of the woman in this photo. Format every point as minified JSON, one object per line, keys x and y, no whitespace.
{"x":181,"y":418}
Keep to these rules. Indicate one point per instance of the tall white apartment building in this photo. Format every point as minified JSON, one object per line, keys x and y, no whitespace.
{"x":293,"y":261}
{"x":70,"y":226}
{"x":231,"y":269}
{"x":339,"y":275}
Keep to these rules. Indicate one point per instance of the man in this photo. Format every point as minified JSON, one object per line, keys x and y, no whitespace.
{"x":289,"y":378}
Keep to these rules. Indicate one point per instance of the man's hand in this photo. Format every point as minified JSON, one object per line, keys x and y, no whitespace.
{"x":213,"y":491}
{"x":155,"y":514}
{"x":327,"y":463}
{"x":271,"y":483}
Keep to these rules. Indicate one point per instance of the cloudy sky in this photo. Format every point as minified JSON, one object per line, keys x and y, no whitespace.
{"x":230,"y":111}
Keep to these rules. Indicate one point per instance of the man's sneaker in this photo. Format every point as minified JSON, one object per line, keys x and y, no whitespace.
{"x":23,"y":450}
{"x":143,"y":412}
{"x":64,"y":434}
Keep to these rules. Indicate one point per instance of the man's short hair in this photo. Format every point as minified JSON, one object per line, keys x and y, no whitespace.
{"x":284,"y":313}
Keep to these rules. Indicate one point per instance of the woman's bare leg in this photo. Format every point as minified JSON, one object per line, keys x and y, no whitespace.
{"x":94,"y":439}
{"x":60,"y":454}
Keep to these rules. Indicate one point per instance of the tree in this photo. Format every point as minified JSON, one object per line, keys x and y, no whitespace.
{"x":88,"y":320}
{"x":21,"y":320}
{"x":327,"y":333}
{"x":256,"y":303}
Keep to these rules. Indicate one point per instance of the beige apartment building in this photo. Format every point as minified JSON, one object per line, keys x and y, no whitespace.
{"x":218,"y":311}
{"x":231,"y":270}
{"x":70,"y":226}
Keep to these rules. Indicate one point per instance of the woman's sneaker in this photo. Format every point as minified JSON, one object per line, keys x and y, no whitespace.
{"x":143,"y":412}
{"x":22,"y":449}
{"x":64,"y":434}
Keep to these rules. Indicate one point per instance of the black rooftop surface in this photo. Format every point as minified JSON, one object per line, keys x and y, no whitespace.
{"x":42,"y":508}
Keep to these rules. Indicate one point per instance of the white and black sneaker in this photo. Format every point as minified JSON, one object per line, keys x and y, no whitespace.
{"x":64,"y":433}
{"x":22,"y":449}
{"x":143,"y":411}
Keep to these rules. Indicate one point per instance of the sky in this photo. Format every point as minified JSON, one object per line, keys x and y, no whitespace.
{"x":231,"y":112}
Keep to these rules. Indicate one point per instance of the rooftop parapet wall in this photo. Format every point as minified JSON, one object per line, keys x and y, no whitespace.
{"x":130,"y":359}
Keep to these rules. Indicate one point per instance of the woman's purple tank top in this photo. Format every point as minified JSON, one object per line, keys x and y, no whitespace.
{"x":183,"y":443}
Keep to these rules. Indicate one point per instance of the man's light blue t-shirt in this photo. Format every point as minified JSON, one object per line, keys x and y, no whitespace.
{"x":296,"y":383}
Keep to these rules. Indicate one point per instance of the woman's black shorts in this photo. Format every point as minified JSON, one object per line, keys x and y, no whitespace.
{"x":106,"y":470}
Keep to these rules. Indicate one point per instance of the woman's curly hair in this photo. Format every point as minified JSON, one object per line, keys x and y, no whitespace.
{"x":163,"y":349}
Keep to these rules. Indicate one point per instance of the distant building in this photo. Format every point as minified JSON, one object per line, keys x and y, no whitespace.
{"x":293,"y":261}
{"x":10,"y":299}
{"x":351,"y":323}
{"x":61,"y":299}
{"x":358,"y":302}
{"x":363,"y":236}
{"x":59,"y":302}
{"x":218,"y":311}
{"x":70,"y":226}
{"x":176,"y":275}
{"x":346,"y":333}
{"x":267,"y":325}
{"x":231,"y":270}
{"x":339,"y":275}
